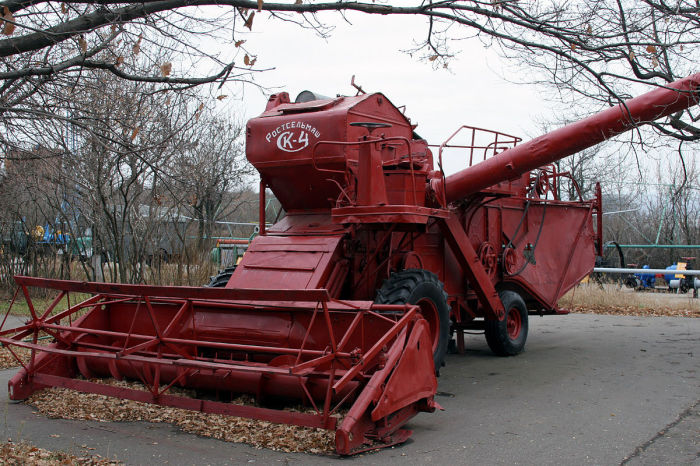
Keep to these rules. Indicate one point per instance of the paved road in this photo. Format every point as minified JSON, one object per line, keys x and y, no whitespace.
{"x":589,"y":389}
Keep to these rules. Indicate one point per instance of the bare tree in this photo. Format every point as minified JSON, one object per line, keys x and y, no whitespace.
{"x":210,"y":168}
{"x":597,"y":49}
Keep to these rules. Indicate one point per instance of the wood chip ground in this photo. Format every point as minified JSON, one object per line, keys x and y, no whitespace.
{"x":69,"y":404}
{"x":23,"y":453}
{"x":641,"y":312}
{"x":7,"y":360}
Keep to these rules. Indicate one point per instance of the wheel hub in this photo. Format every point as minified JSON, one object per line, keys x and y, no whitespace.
{"x":514,"y":324}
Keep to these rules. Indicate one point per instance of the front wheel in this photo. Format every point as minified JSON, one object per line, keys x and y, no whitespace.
{"x":507,"y":337}
{"x":421,"y":287}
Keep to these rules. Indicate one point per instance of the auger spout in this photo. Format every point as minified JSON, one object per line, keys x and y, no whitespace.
{"x":571,"y":138}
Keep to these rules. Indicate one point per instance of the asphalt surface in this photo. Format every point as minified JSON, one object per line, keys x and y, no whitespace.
{"x":589,"y":389}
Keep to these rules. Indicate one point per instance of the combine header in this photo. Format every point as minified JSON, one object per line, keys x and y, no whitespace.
{"x":347,"y":305}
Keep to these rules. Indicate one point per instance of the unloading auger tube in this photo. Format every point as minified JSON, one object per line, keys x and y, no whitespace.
{"x":570,"y":139}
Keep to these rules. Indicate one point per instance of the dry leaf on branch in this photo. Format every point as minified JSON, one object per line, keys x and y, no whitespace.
{"x":166,"y":68}
{"x":260,"y":5}
{"x":238,"y":43}
{"x":249,"y":61}
{"x":135,"y":133}
{"x":651,"y":49}
{"x":137,"y":46}
{"x":249,"y":22}
{"x":221,"y":97}
{"x":9,"y":26}
{"x":83,"y":44}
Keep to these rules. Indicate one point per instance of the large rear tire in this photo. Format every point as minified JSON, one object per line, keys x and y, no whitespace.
{"x":417,"y":286}
{"x":221,"y":279}
{"x":507,"y":337}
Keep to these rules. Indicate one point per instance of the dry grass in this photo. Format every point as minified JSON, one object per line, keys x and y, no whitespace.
{"x":22,"y":453}
{"x":68,"y":404}
{"x":609,"y":299}
{"x":177,"y":274}
{"x":20,"y":307}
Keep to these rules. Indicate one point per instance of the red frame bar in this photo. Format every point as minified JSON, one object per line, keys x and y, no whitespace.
{"x":187,"y":292}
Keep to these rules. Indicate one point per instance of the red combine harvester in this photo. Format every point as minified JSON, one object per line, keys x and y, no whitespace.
{"x":347,"y":305}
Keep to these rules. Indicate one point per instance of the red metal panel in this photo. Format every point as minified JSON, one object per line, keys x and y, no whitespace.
{"x":279,"y":144}
{"x":289,"y":262}
{"x":563,"y":253}
{"x":387,"y":214}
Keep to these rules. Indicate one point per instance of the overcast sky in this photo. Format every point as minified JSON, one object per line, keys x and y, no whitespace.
{"x":472,"y":91}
